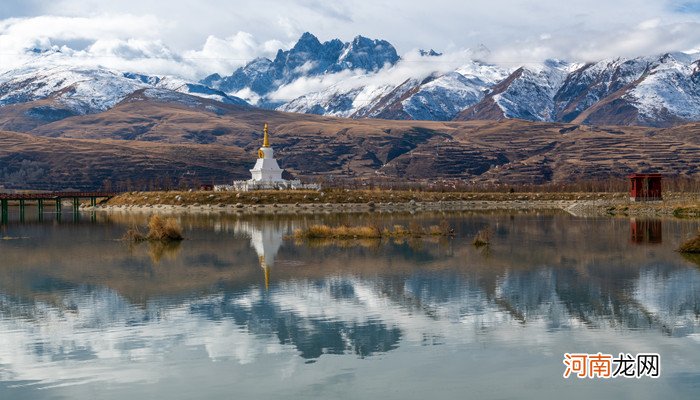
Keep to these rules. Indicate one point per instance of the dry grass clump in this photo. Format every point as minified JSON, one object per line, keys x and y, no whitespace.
{"x":443,"y":229}
{"x":400,"y":230}
{"x":691,"y":246}
{"x":482,"y":238}
{"x":134,"y":235}
{"x":164,"y":229}
{"x":370,"y":232}
{"x":159,"y":230}
{"x":339,"y":232}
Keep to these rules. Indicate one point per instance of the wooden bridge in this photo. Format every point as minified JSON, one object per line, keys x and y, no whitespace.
{"x":23,"y":199}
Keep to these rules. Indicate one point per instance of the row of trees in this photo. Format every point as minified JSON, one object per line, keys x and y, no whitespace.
{"x":612,"y":185}
{"x":34,"y":175}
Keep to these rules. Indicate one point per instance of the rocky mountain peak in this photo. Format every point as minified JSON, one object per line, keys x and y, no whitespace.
{"x":429,"y":53}
{"x":308,"y":57}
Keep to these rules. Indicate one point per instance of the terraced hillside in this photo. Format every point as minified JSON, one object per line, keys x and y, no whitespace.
{"x":144,"y":139}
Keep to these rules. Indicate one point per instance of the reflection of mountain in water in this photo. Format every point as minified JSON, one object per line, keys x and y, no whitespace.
{"x":314,"y":308}
{"x":311,"y":334}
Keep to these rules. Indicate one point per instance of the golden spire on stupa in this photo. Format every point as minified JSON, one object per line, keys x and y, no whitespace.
{"x":266,"y":271}
{"x":266,"y":138}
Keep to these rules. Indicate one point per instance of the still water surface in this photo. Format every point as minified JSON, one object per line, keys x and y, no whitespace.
{"x":240,"y":311}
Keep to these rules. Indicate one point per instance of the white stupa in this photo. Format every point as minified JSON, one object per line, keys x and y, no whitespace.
{"x":266,"y":168}
{"x":266,"y":174}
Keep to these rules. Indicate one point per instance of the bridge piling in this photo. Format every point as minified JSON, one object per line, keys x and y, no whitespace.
{"x":3,"y":205}
{"x":21,"y":210}
{"x":40,"y":197}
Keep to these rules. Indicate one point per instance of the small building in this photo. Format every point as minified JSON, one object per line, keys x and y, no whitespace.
{"x":645,"y":187}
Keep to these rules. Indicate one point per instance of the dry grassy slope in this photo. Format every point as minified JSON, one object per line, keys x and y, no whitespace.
{"x":510,"y":151}
{"x":37,"y":162}
{"x":24,"y":117}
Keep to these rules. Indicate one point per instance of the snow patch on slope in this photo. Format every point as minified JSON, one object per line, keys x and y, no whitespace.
{"x":84,"y":90}
{"x":668,"y":88}
{"x":531,"y":95}
{"x":91,"y":90}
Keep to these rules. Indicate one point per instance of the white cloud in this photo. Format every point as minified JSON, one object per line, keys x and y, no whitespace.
{"x":225,"y":55}
{"x":219,"y":35}
{"x":411,"y":66}
{"x":122,"y":42}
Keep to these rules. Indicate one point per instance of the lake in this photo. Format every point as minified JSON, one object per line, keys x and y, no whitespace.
{"x":241,"y":310}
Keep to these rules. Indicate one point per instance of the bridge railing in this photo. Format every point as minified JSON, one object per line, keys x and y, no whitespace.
{"x":53,"y":195}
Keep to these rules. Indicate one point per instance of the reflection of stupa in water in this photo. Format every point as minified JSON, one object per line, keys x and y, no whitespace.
{"x":266,"y":240}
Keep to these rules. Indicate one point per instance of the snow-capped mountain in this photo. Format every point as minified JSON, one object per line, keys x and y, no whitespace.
{"x":660,"y":91}
{"x":670,"y":89}
{"x":334,"y":101}
{"x":309,"y":57}
{"x":435,"y":97}
{"x":593,"y":82}
{"x":654,"y":91}
{"x":439,"y":96}
{"x":83,"y":90}
{"x":365,"y":78}
{"x":527,"y":93}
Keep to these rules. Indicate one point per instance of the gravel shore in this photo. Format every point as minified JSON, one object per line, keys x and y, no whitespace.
{"x":597,"y":207}
{"x":679,"y":205}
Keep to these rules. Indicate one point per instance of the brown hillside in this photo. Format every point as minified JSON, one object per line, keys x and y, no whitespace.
{"x":143,"y":139}
{"x":44,"y":163}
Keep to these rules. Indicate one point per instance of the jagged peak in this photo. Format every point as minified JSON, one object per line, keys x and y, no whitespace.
{"x":363,"y":41}
{"x":359,"y":39}
{"x":307,"y":41}
{"x":429,"y":53}
{"x":261,"y":61}
{"x":307,"y":36}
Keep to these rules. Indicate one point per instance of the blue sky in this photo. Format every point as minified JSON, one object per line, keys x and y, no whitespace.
{"x":218,"y":35}
{"x":686,"y":7}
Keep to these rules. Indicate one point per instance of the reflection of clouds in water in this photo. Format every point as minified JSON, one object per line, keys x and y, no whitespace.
{"x":51,"y":343}
{"x":672,"y":300}
{"x":80,"y":339}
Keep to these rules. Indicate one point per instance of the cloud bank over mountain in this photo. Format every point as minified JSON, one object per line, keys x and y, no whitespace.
{"x":178,"y":38}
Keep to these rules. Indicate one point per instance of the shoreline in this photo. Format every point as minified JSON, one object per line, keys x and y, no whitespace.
{"x":681,"y":205}
{"x":346,"y":208}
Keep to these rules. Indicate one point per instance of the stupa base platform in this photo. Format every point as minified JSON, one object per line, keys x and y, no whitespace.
{"x":245,"y":186}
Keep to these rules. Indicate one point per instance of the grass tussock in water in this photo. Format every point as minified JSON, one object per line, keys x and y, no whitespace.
{"x":482,"y":238}
{"x":691,"y":246}
{"x":159,"y":230}
{"x":371,"y":232}
{"x":339,"y":232}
